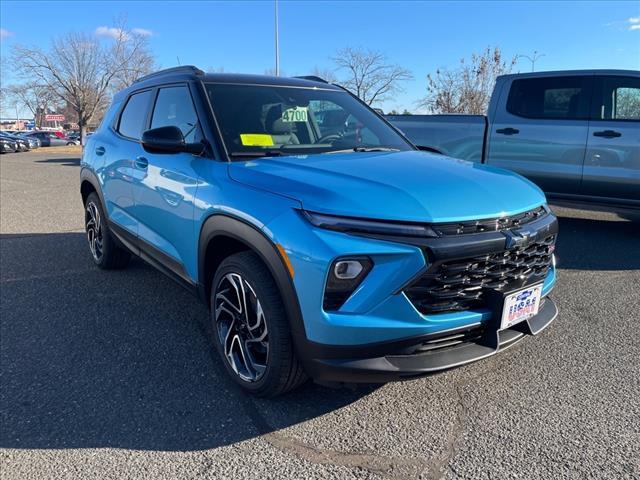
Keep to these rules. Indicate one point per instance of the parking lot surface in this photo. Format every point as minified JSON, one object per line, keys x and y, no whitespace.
{"x":110,"y":374}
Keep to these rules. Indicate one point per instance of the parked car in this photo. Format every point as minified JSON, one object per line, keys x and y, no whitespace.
{"x":31,"y":140}
{"x":7,"y":145}
{"x":50,"y":139}
{"x":576,"y":134}
{"x":348,"y":256}
{"x":21,"y":143}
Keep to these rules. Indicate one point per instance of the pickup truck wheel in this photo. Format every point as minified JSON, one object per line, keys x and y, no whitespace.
{"x":250,"y":327}
{"x":105,"y":252}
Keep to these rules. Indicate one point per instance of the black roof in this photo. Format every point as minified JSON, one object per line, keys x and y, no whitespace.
{"x":189,"y":72}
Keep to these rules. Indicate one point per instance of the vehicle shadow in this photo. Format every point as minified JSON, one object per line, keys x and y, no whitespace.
{"x":121,"y":359}
{"x":590,"y":244}
{"x":93,"y":358}
{"x":66,"y":162}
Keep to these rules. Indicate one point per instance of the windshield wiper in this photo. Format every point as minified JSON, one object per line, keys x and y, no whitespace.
{"x":365,"y":149}
{"x":375,"y":149}
{"x":262,"y":153}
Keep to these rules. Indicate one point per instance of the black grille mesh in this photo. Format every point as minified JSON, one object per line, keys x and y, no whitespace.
{"x":460,"y":284}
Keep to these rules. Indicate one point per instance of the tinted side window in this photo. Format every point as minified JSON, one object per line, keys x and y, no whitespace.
{"x":175,"y":108}
{"x":134,"y":115}
{"x":617,"y":98}
{"x":551,"y":98}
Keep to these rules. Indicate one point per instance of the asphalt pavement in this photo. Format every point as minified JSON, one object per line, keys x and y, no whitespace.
{"x":110,"y":374}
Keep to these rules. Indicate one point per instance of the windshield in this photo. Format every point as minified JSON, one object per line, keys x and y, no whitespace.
{"x":263,"y":120}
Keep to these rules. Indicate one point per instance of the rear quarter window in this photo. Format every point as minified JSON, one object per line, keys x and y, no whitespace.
{"x":616,"y":98}
{"x":134,"y":116}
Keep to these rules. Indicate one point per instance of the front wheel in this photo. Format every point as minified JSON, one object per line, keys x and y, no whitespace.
{"x":250,"y":327}
{"x":106,"y":253}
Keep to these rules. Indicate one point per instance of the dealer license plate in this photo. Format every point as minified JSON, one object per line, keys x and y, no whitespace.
{"x":520,"y":305}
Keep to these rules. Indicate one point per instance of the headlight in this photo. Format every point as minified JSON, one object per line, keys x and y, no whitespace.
{"x":362,"y":225}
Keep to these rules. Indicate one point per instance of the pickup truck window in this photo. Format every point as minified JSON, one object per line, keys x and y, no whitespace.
{"x":271,"y":120}
{"x":617,"y":98}
{"x":550,"y":98}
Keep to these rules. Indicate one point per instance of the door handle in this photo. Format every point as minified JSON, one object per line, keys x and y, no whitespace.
{"x":607,"y":134}
{"x":100,"y":151}
{"x":508,"y":131}
{"x":142,"y":163}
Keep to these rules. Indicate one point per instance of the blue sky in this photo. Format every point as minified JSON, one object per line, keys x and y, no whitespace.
{"x":421,"y":36}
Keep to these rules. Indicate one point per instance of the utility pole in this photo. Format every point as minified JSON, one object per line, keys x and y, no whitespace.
{"x":277,"y":41}
{"x":532,"y":58}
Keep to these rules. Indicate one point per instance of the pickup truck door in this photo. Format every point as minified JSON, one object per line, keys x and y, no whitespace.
{"x":612,"y":161}
{"x":540,"y":130}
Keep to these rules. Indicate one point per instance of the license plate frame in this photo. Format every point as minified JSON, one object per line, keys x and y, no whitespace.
{"x":520,"y":305}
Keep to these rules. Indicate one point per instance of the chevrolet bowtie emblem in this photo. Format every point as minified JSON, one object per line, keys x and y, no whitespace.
{"x":516,"y":238}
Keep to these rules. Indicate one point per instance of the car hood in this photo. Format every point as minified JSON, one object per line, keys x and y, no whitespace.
{"x":409,"y":186}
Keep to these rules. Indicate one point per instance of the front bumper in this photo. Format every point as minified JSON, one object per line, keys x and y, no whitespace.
{"x":419,"y":356}
{"x":379,"y":333}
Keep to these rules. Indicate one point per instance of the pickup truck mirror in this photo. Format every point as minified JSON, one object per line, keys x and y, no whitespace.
{"x":168,"y":140}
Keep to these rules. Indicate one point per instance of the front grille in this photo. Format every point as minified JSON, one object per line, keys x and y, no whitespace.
{"x":461,"y":284}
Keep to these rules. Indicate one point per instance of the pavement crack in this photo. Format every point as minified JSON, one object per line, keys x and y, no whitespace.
{"x":388,"y":467}
{"x":454,"y":437}
{"x":42,"y":276}
{"x":396,"y":468}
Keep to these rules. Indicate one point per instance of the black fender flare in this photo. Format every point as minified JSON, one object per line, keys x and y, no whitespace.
{"x":88,"y":175}
{"x":255,"y":239}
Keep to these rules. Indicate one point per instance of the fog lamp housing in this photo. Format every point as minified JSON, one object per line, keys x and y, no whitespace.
{"x":344,"y":277}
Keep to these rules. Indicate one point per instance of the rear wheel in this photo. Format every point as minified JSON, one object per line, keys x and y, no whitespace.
{"x":106,"y":253}
{"x":250,"y":327}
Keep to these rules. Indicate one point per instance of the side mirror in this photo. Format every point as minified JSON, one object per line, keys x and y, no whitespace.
{"x":168,"y":140}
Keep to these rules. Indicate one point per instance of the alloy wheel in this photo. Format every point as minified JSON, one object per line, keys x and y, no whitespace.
{"x":241,"y":326}
{"x":93,"y":226}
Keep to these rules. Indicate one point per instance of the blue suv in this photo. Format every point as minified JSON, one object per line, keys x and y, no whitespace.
{"x":341,"y":253}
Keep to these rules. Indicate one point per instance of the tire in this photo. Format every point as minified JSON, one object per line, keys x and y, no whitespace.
{"x":240,"y":333}
{"x":105,"y":252}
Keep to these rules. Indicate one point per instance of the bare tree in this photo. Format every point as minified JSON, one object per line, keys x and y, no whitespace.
{"x":131,"y":58}
{"x":468,"y":88}
{"x":38,"y":97}
{"x":5,"y":94}
{"x":369,"y":74}
{"x":82,"y":71}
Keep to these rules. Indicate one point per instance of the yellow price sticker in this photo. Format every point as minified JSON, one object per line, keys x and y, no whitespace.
{"x":256,"y":140}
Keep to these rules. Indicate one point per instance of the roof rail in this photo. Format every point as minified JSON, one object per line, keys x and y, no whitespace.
{"x":315,"y":78}
{"x":181,"y":69}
